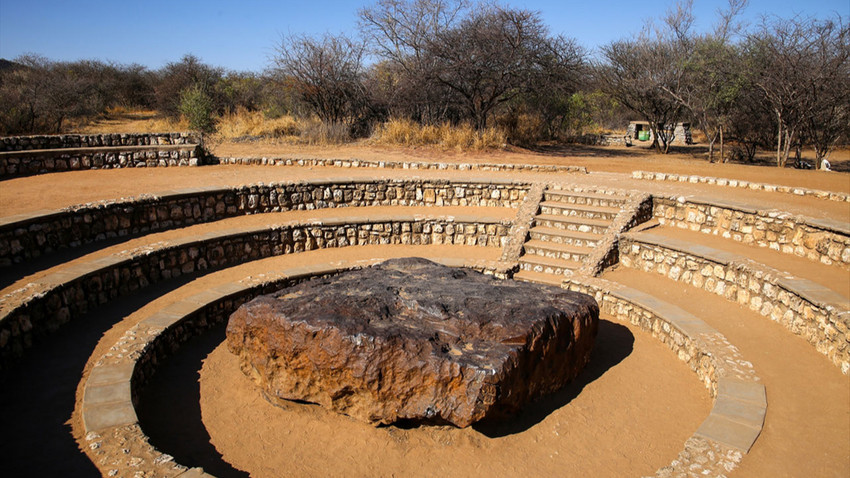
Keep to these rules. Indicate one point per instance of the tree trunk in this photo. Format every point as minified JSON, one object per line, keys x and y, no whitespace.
{"x":786,"y":150}
{"x":722,"y":156}
{"x":779,"y":140}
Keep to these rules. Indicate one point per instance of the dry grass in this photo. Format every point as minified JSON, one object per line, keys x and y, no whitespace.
{"x":403,"y":132}
{"x":254,"y":125}
{"x":244,"y":123}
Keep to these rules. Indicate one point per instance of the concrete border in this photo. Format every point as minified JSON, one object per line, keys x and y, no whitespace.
{"x":111,"y":391}
{"x":414,"y":165}
{"x":29,"y":155}
{"x":821,"y":240}
{"x":716,"y":447}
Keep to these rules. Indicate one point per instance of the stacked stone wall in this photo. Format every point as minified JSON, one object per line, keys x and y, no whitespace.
{"x":38,"y":309}
{"x":431,"y":165}
{"x":28,"y":236}
{"x":65,"y":141}
{"x":823,"y":323}
{"x":29,"y":155}
{"x":115,"y":383}
{"x":823,"y":241}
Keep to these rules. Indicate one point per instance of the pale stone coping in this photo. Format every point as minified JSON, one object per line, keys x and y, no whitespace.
{"x":524,"y":217}
{"x":83,"y":269}
{"x":58,"y":152}
{"x":821,"y":240}
{"x":6,"y":141}
{"x":730,"y":429}
{"x":737,"y":183}
{"x":107,"y":405}
{"x":834,"y":306}
{"x":399,"y":164}
{"x":737,"y":416}
{"x":29,"y":235}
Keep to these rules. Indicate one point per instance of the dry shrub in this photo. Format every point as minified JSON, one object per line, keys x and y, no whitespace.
{"x":523,"y":129}
{"x":317,"y":132}
{"x":463,"y":137}
{"x":244,"y":123}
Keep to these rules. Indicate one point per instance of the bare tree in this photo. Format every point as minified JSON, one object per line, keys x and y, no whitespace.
{"x":188,"y":73}
{"x":640,"y":74}
{"x":710,"y":67}
{"x":799,"y":67}
{"x":828,"y":88}
{"x":496,"y":54}
{"x":400,"y":32}
{"x":327,"y":71}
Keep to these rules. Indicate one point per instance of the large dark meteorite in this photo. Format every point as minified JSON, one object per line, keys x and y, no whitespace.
{"x":409,"y":339}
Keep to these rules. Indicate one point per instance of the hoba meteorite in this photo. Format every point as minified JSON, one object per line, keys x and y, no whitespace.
{"x":412,"y":340}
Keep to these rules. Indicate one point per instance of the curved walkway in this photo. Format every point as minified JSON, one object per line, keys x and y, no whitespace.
{"x":807,"y":427}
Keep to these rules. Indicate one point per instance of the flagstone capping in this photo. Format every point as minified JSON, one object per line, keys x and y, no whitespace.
{"x":30,"y":235}
{"x":112,"y":388}
{"x":810,"y":310}
{"x":737,"y":183}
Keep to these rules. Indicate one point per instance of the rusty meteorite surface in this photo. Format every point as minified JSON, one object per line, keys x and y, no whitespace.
{"x":409,"y":339}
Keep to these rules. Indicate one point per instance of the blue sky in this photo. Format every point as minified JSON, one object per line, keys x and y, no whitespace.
{"x":241,"y":35}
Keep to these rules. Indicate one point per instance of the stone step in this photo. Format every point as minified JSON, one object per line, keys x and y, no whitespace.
{"x":591,"y":199}
{"x":556,"y":251}
{"x":572,"y":223}
{"x":539,"y":278}
{"x":547,"y":265}
{"x":579,"y":210}
{"x":564,"y":236}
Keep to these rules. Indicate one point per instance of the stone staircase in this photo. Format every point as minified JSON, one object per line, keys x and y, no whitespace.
{"x":564,"y":233}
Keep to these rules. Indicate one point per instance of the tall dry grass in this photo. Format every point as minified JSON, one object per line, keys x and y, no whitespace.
{"x":244,"y":123}
{"x":256,"y":127}
{"x":404,"y":132}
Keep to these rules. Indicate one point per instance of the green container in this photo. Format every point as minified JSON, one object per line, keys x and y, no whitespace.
{"x":643,"y":135}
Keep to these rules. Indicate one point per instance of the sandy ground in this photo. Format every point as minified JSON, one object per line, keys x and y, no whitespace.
{"x":58,"y":190}
{"x":616,"y":417}
{"x":137,"y":245}
{"x":807,"y":427}
{"x":629,"y":414}
{"x":617,"y":421}
{"x":832,"y":277}
{"x":604,"y":158}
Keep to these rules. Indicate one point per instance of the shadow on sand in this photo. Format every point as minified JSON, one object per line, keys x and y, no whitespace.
{"x":169,"y":408}
{"x":614,"y":343}
{"x":37,"y":393}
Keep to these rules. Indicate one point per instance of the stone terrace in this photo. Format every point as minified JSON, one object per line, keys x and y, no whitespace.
{"x":542,"y":225}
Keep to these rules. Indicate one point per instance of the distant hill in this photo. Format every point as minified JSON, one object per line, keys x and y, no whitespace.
{"x":8,"y":65}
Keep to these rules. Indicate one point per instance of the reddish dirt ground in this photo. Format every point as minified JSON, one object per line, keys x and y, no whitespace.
{"x":629,"y":415}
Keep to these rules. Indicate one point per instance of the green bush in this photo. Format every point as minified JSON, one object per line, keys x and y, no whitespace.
{"x":197,"y":106}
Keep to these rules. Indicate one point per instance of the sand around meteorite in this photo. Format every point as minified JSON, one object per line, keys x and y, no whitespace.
{"x":412,"y":340}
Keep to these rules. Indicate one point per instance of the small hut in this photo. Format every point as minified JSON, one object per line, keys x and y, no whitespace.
{"x":640,"y":131}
